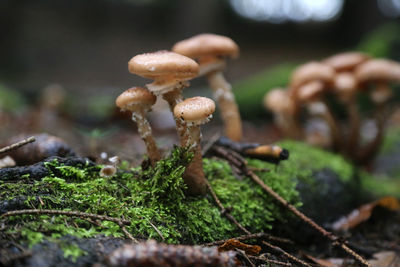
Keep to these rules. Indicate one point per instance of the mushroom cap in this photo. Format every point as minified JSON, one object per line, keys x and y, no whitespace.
{"x":345,"y":82}
{"x":312,"y":71}
{"x":133,"y":98}
{"x":346,"y":61}
{"x":310,"y":91}
{"x":195,"y":110}
{"x":376,"y":70}
{"x":163,"y":64}
{"x":278,"y":100}
{"x":207,"y":44}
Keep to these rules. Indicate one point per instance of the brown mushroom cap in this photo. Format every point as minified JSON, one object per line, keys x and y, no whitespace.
{"x":312,"y":71}
{"x":206,"y":45}
{"x":135,"y":97}
{"x":195,"y":110}
{"x":163,"y":64}
{"x":345,"y":82}
{"x":346,"y":61}
{"x":378,"y":70}
{"x":310,"y":91}
{"x":278,"y":100}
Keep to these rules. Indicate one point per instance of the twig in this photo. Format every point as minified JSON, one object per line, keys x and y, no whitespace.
{"x":224,"y":211}
{"x":241,"y":227}
{"x":245,"y":170}
{"x":17,"y":145}
{"x":156,"y":229}
{"x":244,"y":255}
{"x":123,"y":228}
{"x":66,"y":213}
{"x":265,"y":259}
{"x":288,"y":255}
{"x":251,"y":236}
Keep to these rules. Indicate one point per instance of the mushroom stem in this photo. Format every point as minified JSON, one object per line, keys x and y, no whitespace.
{"x":194,"y":174}
{"x":144,"y":130}
{"x":322,"y":110}
{"x":226,"y":101}
{"x":354,"y":132}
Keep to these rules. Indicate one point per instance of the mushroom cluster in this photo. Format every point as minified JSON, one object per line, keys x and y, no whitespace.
{"x":317,"y":89}
{"x":170,"y":71}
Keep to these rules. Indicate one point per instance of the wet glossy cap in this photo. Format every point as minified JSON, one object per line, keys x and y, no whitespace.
{"x":278,"y":100}
{"x":378,"y":70}
{"x":346,"y":61}
{"x":207,"y":44}
{"x":312,"y":71}
{"x":195,"y":110}
{"x":163,"y":64}
{"x":135,"y":97}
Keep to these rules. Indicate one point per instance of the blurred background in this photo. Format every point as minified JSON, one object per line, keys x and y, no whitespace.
{"x":83,"y":46}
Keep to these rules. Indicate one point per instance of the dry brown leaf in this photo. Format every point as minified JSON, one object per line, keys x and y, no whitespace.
{"x":232,"y":244}
{"x":364,"y":212}
{"x":385,"y":259}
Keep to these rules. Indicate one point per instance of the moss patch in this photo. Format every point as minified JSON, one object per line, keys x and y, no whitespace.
{"x":154,"y":201}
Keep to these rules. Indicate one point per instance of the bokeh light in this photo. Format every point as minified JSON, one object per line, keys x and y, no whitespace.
{"x":280,"y":11}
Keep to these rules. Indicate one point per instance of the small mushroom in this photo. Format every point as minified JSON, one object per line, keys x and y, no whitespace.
{"x":139,"y":100}
{"x":170,"y":72}
{"x":379,"y":72}
{"x":194,"y":112}
{"x":311,"y":94}
{"x":279,"y":102}
{"x":210,"y":51}
{"x":312,"y":71}
{"x":346,"y":61}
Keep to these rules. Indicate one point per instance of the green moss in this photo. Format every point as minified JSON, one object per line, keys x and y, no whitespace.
{"x":150,"y":199}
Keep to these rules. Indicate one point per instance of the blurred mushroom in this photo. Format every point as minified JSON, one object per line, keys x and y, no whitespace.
{"x":170,"y":72}
{"x":346,"y":87}
{"x":193,"y":112}
{"x":311,"y":95}
{"x":279,"y":102}
{"x":346,"y":61}
{"x":379,"y":73}
{"x":210,"y":51}
{"x":139,"y":100}
{"x":312,"y":71}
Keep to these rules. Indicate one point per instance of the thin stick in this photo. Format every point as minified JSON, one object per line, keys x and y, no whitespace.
{"x":251,"y":236}
{"x":156,"y":229}
{"x":241,"y":227}
{"x":17,"y":145}
{"x":224,"y":211}
{"x":123,"y":228}
{"x":265,"y":259}
{"x":288,"y":255}
{"x":66,"y":213}
{"x":309,"y":221}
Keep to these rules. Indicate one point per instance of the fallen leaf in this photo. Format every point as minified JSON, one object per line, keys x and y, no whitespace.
{"x":232,"y":244}
{"x":364,"y":212}
{"x":333,"y":262}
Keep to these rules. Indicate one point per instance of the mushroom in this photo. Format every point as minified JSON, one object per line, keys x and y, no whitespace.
{"x":346,"y":87}
{"x":311,"y":94}
{"x":279,"y":102}
{"x":346,"y":61}
{"x":139,"y":100}
{"x":379,"y":72}
{"x":210,"y":51}
{"x":193,"y":112}
{"x":170,"y":72}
